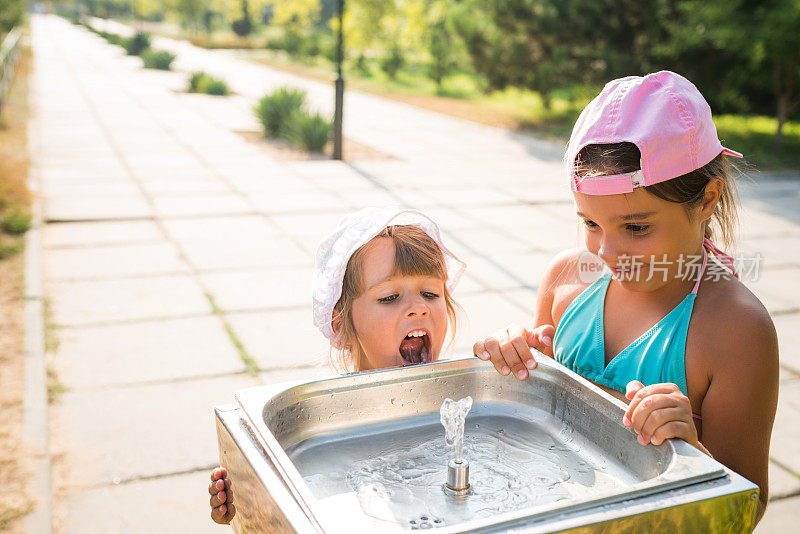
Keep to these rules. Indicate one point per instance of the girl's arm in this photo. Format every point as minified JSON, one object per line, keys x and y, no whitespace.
{"x":739,"y":407}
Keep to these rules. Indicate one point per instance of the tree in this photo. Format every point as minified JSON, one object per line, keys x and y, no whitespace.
{"x":761,"y":38}
{"x":11,"y":14}
{"x":547,"y":44}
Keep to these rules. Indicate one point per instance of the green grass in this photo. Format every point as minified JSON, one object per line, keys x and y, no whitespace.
{"x":754,"y":136}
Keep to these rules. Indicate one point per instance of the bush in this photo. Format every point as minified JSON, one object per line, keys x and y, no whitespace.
{"x":214,"y":86}
{"x":310,"y":132}
{"x":16,"y":223}
{"x":195,"y":79}
{"x":157,"y":59}
{"x":137,"y":44}
{"x":6,"y":251}
{"x":276,"y":110}
{"x":202,"y":82}
{"x":392,"y":63}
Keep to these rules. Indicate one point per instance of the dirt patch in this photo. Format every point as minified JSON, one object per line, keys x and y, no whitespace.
{"x":15,"y":502}
{"x":284,"y":151}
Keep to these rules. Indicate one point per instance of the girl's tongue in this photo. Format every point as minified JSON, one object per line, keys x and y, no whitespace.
{"x":413,"y":350}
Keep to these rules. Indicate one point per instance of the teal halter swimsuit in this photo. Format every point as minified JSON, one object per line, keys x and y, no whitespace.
{"x":657,"y":356}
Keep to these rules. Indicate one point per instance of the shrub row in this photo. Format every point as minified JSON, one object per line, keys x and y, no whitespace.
{"x":202,"y":82}
{"x":138,"y":45}
{"x":282,"y":114}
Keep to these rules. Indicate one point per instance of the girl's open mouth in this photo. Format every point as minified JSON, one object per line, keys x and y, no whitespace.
{"x":416,"y":347}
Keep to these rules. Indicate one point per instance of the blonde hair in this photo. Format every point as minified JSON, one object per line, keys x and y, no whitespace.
{"x":415,"y":254}
{"x":688,"y":189}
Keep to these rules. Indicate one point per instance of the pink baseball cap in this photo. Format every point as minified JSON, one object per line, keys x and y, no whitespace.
{"x":663,"y":114}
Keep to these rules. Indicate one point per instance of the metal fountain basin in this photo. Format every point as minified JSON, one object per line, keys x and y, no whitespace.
{"x":278,"y":438}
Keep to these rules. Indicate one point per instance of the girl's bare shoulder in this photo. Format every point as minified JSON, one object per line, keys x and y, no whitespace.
{"x":729,"y":317}
{"x":569,"y":273}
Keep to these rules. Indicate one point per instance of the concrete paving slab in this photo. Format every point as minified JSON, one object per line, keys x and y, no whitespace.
{"x":298,"y":374}
{"x":490,"y":241}
{"x":251,"y":227}
{"x":314,"y":224}
{"x":468,"y":285}
{"x":129,"y":432}
{"x":489,"y":273}
{"x":97,"y":208}
{"x":106,"y":301}
{"x":781,"y":517}
{"x":281,"y":338}
{"x":782,"y":483}
{"x":190,"y":185}
{"x":260,"y":290}
{"x":238,"y":253}
{"x":785,"y":445}
{"x":89,"y":189}
{"x":528,"y":267}
{"x":776,"y":288}
{"x":168,"y":504}
{"x":148,"y":351}
{"x":486,"y":313}
{"x":111,"y":261}
{"x":99,"y":233}
{"x":776,"y":251}
{"x":788,"y":328}
{"x":305,"y":202}
{"x":177,"y":205}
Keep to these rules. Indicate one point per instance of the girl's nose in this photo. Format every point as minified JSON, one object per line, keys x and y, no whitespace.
{"x":417,"y":307}
{"x":608,"y":251}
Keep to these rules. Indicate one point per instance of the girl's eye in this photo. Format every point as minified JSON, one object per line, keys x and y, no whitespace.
{"x":430,"y":295}
{"x":589,"y":224}
{"x":390,"y":298}
{"x":638,"y":228}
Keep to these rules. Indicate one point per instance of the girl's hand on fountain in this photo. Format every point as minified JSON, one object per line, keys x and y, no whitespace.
{"x":222,"y":507}
{"x":509,"y":349}
{"x":658,"y":412}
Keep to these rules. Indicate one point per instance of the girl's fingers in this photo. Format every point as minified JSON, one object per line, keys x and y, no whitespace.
{"x":231,"y":513}
{"x":479,"y":350}
{"x":522,"y":356}
{"x":217,"y":499}
{"x":492,"y":345}
{"x":649,"y":404}
{"x":542,"y":337}
{"x":660,"y":417}
{"x":641,"y":394}
{"x":673,"y":429}
{"x":632,"y":388}
{"x":218,"y":515}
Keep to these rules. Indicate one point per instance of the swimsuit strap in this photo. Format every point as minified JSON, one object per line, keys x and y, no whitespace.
{"x":726,"y":260}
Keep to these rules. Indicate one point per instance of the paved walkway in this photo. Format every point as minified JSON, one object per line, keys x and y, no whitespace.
{"x":170,"y":241}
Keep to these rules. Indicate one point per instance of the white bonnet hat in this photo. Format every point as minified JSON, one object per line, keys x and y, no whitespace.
{"x":354,"y":231}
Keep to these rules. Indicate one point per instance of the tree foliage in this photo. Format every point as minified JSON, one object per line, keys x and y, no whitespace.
{"x":11,"y":14}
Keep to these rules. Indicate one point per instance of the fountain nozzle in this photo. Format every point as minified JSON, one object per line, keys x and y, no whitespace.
{"x":458,"y":475}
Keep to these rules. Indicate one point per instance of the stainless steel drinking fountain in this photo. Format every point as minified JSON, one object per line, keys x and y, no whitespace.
{"x":366,"y":453}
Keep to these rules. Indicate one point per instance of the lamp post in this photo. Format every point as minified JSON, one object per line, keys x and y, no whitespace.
{"x":337,"y":112}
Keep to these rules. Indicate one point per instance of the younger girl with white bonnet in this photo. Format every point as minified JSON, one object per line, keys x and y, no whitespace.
{"x":382,"y":295}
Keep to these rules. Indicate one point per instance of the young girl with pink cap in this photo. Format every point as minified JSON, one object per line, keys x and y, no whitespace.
{"x":382,"y":295}
{"x":654,"y":312}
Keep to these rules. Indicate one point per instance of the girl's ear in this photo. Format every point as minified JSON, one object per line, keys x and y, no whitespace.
{"x":711,"y":196}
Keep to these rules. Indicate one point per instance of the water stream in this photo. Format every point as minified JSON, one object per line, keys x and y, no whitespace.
{"x":452,"y":414}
